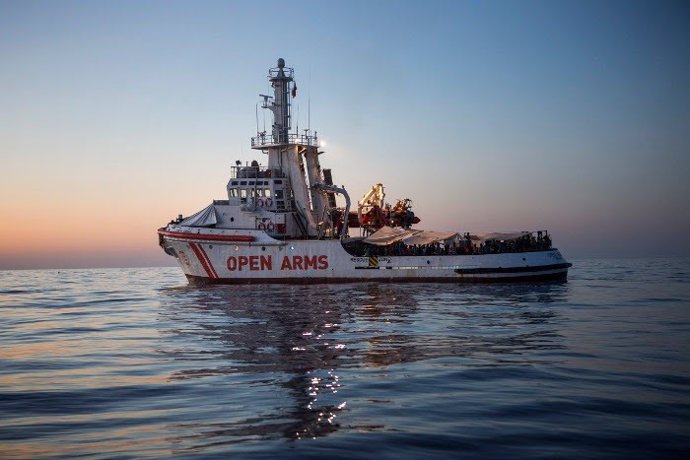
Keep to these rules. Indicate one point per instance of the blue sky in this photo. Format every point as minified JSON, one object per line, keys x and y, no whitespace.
{"x":572,"y":116}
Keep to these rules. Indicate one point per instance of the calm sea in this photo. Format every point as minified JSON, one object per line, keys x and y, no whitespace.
{"x":132,"y":363}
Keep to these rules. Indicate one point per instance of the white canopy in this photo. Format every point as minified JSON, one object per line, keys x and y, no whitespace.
{"x":429,"y":237}
{"x":389,"y":235}
{"x":204,"y":218}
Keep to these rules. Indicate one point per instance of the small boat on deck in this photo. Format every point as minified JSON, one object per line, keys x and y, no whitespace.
{"x":281,"y":223}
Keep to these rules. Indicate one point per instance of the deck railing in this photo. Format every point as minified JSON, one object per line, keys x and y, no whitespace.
{"x":269,"y":140}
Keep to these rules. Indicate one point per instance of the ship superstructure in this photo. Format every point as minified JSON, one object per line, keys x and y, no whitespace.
{"x":281,"y":223}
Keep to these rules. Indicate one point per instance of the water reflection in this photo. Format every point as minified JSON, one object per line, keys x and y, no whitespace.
{"x":438,"y":321}
{"x":273,"y":341}
{"x":286,"y":337}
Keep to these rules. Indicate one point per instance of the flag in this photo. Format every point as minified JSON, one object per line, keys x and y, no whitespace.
{"x":294,"y":90}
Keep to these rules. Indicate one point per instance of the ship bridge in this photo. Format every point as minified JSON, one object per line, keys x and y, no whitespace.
{"x":291,"y":155}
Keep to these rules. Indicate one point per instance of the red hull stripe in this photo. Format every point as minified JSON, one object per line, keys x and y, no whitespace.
{"x":208,"y":260}
{"x":204,"y":260}
{"x":207,"y":236}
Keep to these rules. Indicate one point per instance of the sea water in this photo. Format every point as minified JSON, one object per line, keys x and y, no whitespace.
{"x":133,"y":363}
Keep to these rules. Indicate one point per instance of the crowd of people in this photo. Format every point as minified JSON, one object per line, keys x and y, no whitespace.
{"x":466,"y":245}
{"x":527,"y":242}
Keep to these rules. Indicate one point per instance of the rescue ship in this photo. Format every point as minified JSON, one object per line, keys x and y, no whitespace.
{"x":281,"y":223}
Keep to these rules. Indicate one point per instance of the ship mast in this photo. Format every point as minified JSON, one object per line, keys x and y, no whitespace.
{"x":290,"y":153}
{"x":280,"y":80}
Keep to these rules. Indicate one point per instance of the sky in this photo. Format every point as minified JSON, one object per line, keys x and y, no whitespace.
{"x":571,"y":116}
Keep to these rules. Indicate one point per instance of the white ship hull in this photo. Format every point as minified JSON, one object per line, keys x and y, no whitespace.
{"x":223,"y":257}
